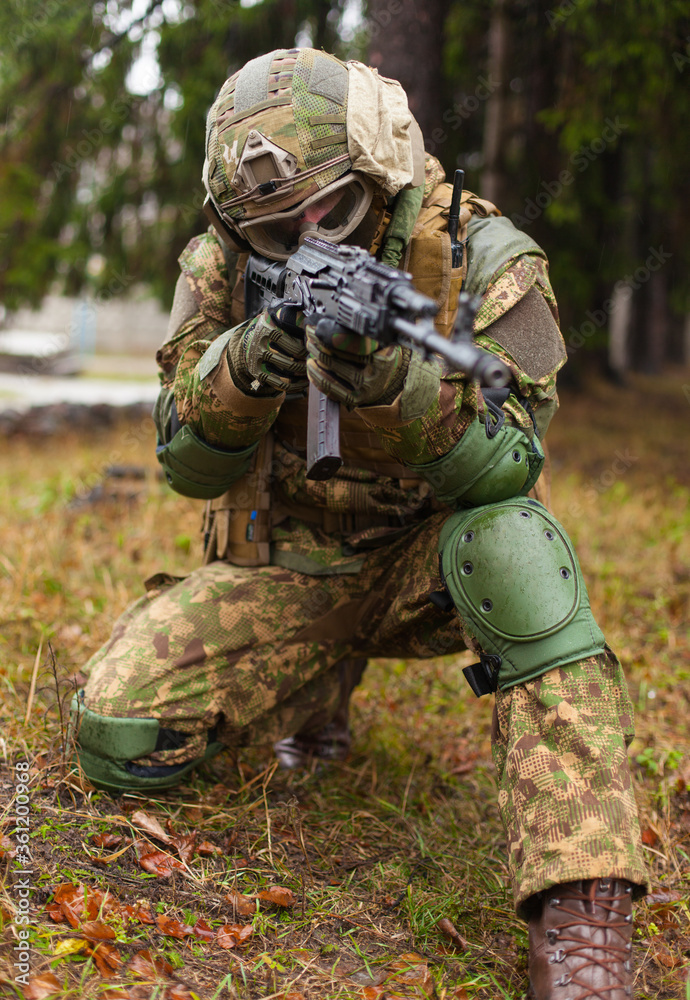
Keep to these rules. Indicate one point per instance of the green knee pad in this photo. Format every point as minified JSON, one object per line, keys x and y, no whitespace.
{"x":513,"y":576}
{"x":107,"y":749}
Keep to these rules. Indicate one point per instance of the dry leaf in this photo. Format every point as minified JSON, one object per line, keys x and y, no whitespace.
{"x":664,"y":956}
{"x":41,"y":987}
{"x":178,"y":992}
{"x":138,"y":913}
{"x":107,"y":959}
{"x":7,"y":848}
{"x":663,"y":897}
{"x":157,"y":862}
{"x":279,"y":895}
{"x":96,"y":930}
{"x":206,"y":848}
{"x":144,"y":965}
{"x":230,"y":935}
{"x":54,"y":911}
{"x":70,"y":913}
{"x":185,"y":846}
{"x":69,"y":946}
{"x":115,"y":994}
{"x":245,"y":906}
{"x":411,"y":970}
{"x":448,"y":929}
{"x":150,"y":825}
{"x":173,"y":928}
{"x":202,"y":931}
{"x":106,"y":840}
{"x":649,"y":837}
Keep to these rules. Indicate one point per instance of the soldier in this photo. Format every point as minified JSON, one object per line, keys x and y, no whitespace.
{"x":303,"y":579}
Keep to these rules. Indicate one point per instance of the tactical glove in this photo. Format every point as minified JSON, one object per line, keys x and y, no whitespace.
{"x":268,"y":355}
{"x":355,"y":370}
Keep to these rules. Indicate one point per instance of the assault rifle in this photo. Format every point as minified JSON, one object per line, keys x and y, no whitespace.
{"x":342,"y":288}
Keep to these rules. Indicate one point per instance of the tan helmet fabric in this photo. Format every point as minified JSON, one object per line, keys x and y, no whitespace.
{"x":383,"y":138}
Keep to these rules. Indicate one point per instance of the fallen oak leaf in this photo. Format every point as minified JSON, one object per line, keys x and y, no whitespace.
{"x":184,"y":846}
{"x":203,"y":931}
{"x":663,"y":897}
{"x":70,"y":913}
{"x":178,"y":992}
{"x":106,"y":840}
{"x":157,"y":862}
{"x":96,"y":930}
{"x":145,"y":965}
{"x":137,"y":912}
{"x":69,"y":946}
{"x":448,"y":929}
{"x":78,"y":900}
{"x":42,"y":987}
{"x":279,"y":895}
{"x":54,"y":911}
{"x":7,"y":848}
{"x":173,"y":928}
{"x":244,"y":906}
{"x":206,"y":848}
{"x":230,"y":935}
{"x":107,"y":959}
{"x":150,"y":825}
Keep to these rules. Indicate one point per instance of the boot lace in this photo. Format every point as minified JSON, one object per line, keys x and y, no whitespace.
{"x":610,"y":957}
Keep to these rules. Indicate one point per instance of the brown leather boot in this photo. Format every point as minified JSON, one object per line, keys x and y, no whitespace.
{"x":319,"y":741}
{"x":580,"y":942}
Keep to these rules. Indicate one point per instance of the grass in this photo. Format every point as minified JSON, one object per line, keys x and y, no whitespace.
{"x":374,"y":852}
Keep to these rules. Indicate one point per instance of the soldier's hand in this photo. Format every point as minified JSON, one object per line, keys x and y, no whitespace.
{"x":269,"y":356}
{"x":354,"y":370}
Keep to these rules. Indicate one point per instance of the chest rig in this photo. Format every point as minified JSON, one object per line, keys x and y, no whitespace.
{"x":413,"y":236}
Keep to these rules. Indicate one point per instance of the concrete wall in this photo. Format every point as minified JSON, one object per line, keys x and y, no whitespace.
{"x":134,"y":324}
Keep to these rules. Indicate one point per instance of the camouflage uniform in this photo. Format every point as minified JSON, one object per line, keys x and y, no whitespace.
{"x":252,"y":651}
{"x":239,"y":653}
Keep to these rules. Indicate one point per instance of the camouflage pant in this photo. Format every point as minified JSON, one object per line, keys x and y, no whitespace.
{"x":253,"y":652}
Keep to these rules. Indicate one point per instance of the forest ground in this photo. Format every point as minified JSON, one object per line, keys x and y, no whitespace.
{"x":382,"y":877}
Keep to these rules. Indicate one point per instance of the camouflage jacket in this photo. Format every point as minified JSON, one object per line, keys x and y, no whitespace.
{"x":320,"y":526}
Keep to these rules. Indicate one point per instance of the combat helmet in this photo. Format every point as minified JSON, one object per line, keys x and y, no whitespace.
{"x":298,"y":141}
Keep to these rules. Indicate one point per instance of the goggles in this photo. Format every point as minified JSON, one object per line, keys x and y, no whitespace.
{"x":331,"y":214}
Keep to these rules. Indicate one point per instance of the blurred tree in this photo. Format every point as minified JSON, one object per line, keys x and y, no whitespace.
{"x":572,"y":113}
{"x":404,"y":43}
{"x":101,"y":146}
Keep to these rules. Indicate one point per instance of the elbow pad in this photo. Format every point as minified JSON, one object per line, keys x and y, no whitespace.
{"x":196,"y":469}
{"x":484,"y":469}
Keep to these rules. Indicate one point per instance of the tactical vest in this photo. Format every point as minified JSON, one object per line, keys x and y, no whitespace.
{"x":238,"y":523}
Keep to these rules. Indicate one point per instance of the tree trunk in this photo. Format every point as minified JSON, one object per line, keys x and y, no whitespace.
{"x":657,"y":324}
{"x":619,"y":332}
{"x":407,"y":45}
{"x":492,"y":174}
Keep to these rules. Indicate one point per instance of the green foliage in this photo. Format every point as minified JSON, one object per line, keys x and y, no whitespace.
{"x":100,"y":167}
